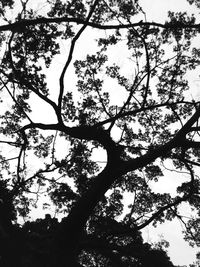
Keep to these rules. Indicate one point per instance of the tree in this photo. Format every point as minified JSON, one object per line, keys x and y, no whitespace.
{"x":154,"y":121}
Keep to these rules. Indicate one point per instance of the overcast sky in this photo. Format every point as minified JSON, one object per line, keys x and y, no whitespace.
{"x":180,"y":252}
{"x":156,"y":10}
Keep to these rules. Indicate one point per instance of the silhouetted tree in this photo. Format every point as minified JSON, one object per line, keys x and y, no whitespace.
{"x":139,"y":116}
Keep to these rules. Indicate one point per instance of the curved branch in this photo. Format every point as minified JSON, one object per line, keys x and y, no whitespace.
{"x":19,"y":25}
{"x":160,"y":211}
{"x":32,"y":88}
{"x":74,"y":40}
{"x":173,"y":204}
{"x":25,"y":82}
{"x":153,"y":154}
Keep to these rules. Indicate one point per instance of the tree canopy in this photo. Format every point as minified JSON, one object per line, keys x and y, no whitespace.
{"x":82,"y":134}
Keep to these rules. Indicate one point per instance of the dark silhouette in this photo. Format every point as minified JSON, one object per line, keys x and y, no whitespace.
{"x":80,"y":131}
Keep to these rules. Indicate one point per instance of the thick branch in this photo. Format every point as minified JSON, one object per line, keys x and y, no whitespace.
{"x":18,"y":26}
{"x":153,"y":154}
{"x":72,"y":228}
{"x":89,"y":133}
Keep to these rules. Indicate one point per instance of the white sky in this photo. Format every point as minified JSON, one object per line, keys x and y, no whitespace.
{"x":156,"y":10}
{"x":179,"y":251}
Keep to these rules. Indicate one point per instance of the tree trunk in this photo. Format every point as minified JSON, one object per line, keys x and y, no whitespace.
{"x":71,"y":230}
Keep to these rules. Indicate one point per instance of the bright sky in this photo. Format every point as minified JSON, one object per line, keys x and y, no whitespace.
{"x":156,"y":10}
{"x":179,"y":251}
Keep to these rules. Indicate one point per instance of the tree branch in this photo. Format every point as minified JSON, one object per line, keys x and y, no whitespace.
{"x":19,"y":25}
{"x":142,"y":109}
{"x":151,"y":155}
{"x":15,"y":101}
{"x":70,"y":56}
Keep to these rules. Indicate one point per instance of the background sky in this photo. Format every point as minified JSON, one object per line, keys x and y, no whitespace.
{"x":179,"y":251}
{"x":156,"y":10}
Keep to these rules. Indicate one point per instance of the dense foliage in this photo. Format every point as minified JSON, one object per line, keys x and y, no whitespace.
{"x":79,"y":131}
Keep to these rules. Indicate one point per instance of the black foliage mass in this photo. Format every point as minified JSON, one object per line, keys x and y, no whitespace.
{"x":33,"y":245}
{"x":97,"y":108}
